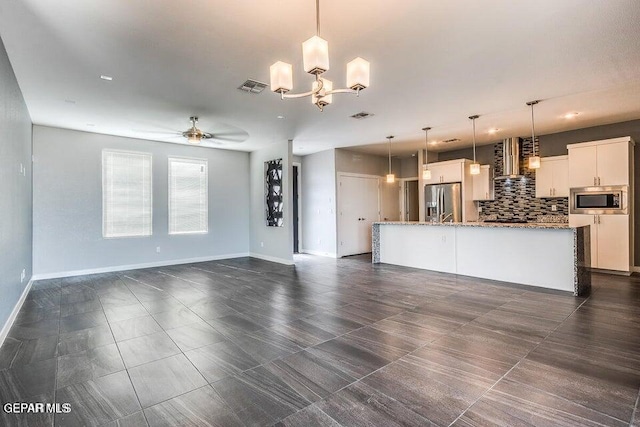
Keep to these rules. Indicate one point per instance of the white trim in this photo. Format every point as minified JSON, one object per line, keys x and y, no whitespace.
{"x":319,"y":253}
{"x":359,"y":175}
{"x":135,"y":266}
{"x":12,"y":318}
{"x":272,"y":258}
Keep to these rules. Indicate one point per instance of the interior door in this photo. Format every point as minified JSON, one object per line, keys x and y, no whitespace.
{"x":358,"y":201}
{"x":411,"y":210}
{"x":369,"y":212}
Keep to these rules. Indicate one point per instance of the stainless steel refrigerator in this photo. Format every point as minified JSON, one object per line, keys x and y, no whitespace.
{"x":443,"y":202}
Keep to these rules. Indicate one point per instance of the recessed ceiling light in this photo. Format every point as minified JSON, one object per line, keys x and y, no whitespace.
{"x":493,"y":131}
{"x":571,"y":115}
{"x":280,"y":117}
{"x":107,"y":78}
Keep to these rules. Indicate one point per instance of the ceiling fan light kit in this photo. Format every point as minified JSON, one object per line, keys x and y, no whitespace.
{"x":315,"y":58}
{"x":195,"y":135}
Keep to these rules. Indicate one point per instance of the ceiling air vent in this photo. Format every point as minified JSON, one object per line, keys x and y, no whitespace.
{"x":252,"y":86}
{"x":361,"y":115}
{"x":449,"y":141}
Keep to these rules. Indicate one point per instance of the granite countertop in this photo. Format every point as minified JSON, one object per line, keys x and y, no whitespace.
{"x":542,"y":225}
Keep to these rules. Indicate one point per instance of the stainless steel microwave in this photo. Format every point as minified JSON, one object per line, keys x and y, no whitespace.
{"x":599,"y":200}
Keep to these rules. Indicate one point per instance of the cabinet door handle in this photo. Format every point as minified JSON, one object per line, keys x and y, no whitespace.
{"x":598,"y":180}
{"x":594,"y":219}
{"x":595,"y":180}
{"x":598,"y":219}
{"x":486,"y":195}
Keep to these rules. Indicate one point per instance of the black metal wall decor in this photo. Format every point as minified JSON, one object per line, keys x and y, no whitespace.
{"x":274,"y":198}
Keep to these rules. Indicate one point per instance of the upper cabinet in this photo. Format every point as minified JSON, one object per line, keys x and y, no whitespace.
{"x":600,"y":163}
{"x":552,"y":178}
{"x":483,"y":184}
{"x":449,"y":171}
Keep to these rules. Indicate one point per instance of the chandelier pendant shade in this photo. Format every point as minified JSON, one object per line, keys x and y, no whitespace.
{"x":315,"y":59}
{"x":474,"y":168}
{"x":534,"y":160}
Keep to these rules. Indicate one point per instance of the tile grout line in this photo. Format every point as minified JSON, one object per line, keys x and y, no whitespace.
{"x":634,"y":414}
{"x":519,"y":361}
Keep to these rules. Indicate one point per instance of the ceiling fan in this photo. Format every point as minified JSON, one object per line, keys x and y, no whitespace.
{"x":226,"y":134}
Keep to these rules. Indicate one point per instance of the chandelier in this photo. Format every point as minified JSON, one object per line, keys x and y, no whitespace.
{"x":315,"y":57}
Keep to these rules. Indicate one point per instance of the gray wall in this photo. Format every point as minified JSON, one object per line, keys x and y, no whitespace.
{"x":15,"y":190}
{"x":67,"y":220}
{"x":409,"y":167}
{"x":556,"y":145}
{"x":367,"y":164}
{"x":319,"y":203}
{"x":272,"y":243}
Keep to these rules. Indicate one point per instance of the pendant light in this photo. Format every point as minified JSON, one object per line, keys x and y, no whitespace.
{"x":391,"y":178}
{"x":534,"y":160}
{"x":474,"y":168}
{"x":426,"y":173}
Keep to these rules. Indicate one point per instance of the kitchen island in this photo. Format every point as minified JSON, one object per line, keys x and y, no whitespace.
{"x":553,"y":255}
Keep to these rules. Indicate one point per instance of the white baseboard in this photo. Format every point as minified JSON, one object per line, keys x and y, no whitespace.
{"x":272,"y":258}
{"x":12,"y":318}
{"x":135,"y":266}
{"x":318,"y":253}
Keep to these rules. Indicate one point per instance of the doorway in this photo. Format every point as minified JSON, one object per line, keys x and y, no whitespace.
{"x":296,"y":207}
{"x":411,"y":211}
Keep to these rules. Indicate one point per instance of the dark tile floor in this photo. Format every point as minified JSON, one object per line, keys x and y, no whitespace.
{"x":325,"y":343}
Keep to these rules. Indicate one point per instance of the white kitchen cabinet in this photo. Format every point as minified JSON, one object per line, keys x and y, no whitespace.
{"x":483,"y":184}
{"x":552,"y":178}
{"x":613,"y":244}
{"x":609,"y":240}
{"x":600,"y":163}
{"x":445,"y":172}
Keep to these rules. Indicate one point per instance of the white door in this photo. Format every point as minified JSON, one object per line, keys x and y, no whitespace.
{"x":591,"y":221}
{"x":369,"y":213}
{"x":613,"y":164}
{"x":582,"y":167}
{"x":613,"y":242}
{"x":358,"y":202}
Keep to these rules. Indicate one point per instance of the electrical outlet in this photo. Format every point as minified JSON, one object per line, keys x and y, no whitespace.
{"x":157,"y":249}
{"x":319,"y":241}
{"x":262,"y":244}
{"x":23,"y":275}
{"x":479,"y":209}
{"x":554,"y":208}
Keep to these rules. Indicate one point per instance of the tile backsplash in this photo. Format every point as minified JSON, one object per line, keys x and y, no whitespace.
{"x":515,"y":198}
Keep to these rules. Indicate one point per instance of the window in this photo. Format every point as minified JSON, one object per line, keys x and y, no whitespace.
{"x":188,"y":196}
{"x":126,"y":194}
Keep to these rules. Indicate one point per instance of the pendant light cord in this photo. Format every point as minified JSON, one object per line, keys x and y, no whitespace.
{"x":473,"y":122}
{"x":533,"y":129}
{"x":318,"y":18}
{"x":426,"y":145}
{"x":389,"y":138}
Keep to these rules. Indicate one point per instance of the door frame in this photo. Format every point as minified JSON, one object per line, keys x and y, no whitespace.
{"x":339,"y":224}
{"x":299,"y":203}
{"x":403,"y":183}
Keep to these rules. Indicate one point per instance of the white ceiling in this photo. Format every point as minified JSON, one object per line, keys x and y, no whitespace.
{"x":433,"y":63}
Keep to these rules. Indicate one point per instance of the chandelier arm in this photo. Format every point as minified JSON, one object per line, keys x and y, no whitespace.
{"x":303,"y":94}
{"x":346,"y":90}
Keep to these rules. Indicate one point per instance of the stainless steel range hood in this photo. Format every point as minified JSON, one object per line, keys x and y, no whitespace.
{"x":510,"y":158}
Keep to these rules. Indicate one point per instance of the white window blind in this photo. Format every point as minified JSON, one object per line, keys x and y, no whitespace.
{"x":188,"y":196}
{"x":126,"y":194}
